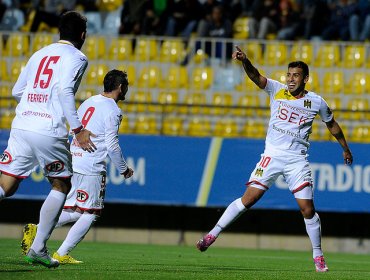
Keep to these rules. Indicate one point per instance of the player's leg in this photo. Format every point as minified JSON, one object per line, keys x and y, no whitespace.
{"x":68,"y":216}
{"x":8,"y":185}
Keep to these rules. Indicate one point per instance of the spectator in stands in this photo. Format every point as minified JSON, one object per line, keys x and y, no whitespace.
{"x":132,"y":16}
{"x":240,"y":8}
{"x":154,"y":22}
{"x":338,"y":26}
{"x":49,"y":12}
{"x":288,"y":20}
{"x":183,"y":17}
{"x":265,"y":18}
{"x":2,"y":9}
{"x":359,"y":22}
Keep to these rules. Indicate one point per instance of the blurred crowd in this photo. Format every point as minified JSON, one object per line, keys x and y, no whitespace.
{"x":346,"y":20}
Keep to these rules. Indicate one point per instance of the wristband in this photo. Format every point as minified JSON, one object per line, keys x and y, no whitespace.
{"x":78,"y":130}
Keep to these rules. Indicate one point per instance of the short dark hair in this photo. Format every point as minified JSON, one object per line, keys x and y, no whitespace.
{"x":113,"y":79}
{"x":71,"y":25}
{"x":302,"y":65}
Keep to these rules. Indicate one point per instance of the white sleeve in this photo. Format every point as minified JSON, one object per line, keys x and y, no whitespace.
{"x":325,"y":112}
{"x":21,"y":84}
{"x":111,"y":140}
{"x":272,"y":87}
{"x":71,"y":75}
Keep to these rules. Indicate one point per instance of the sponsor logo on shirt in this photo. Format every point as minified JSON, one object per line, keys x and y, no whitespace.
{"x":55,"y":166}
{"x":82,"y":196}
{"x":5,"y":158}
{"x":37,"y":97}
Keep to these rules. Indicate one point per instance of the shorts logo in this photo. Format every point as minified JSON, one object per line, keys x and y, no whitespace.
{"x":5,"y":158}
{"x":82,"y":196}
{"x":55,"y":166}
{"x":259,"y":172}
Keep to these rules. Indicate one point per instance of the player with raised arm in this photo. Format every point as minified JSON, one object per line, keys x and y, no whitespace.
{"x":101,"y":115}
{"x":45,"y":92}
{"x":293,"y":110}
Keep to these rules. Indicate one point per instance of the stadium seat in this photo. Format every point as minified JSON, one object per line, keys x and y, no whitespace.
{"x":199,"y":127}
{"x":140,"y":101}
{"x":15,"y":69}
{"x":333,"y":82}
{"x":358,"y":109}
{"x":172,"y":51}
{"x":194,"y":103}
{"x":275,"y":54}
{"x":222,"y":103}
{"x":199,"y":57}
{"x":6,"y":98}
{"x":360,"y":133}
{"x":241,"y":28}
{"x":167,"y":100}
{"x":94,"y":22}
{"x":17,"y":45}
{"x":40,"y":40}
{"x":328,"y":55}
{"x":96,"y":73}
{"x":302,"y":51}
{"x":4,"y":74}
{"x":226,"y":128}
{"x":334,"y":103}
{"x":112,"y":22}
{"x":131,"y":73}
{"x":254,"y":129}
{"x":150,"y":77}
{"x":176,"y":78}
{"x":12,"y":19}
{"x":6,"y":120}
{"x":248,"y":106}
{"x":313,"y":83}
{"x":247,"y":85}
{"x":94,"y":47}
{"x":358,"y":83}
{"x":173,"y":126}
{"x":146,"y":125}
{"x":120,"y":49}
{"x":253,"y":50}
{"x":109,"y":5}
{"x":125,"y":127}
{"x":354,"y":56}
{"x":146,"y":50}
{"x":279,"y":75}
{"x":201,"y":78}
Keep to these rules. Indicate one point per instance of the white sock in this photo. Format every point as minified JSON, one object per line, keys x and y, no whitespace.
{"x":313,"y":228}
{"x":77,"y":233}
{"x":49,"y":214}
{"x":67,"y":217}
{"x":2,"y":193}
{"x":232,"y":212}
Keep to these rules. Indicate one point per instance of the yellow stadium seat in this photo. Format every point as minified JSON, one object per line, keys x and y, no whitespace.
{"x":39,"y":41}
{"x":150,"y":77}
{"x":360,"y":133}
{"x":6,"y":120}
{"x":354,"y":56}
{"x":302,"y":51}
{"x":120,"y":49}
{"x":167,"y":100}
{"x":4,"y":74}
{"x":279,"y":75}
{"x":131,"y":73}
{"x":275,"y":53}
{"x":328,"y":55}
{"x":253,"y":50}
{"x":199,"y":57}
{"x":247,"y":85}
{"x":176,"y":78}
{"x":109,"y":5}
{"x":94,"y":47}
{"x":254,"y":129}
{"x":17,"y":45}
{"x":85,"y":93}
{"x":140,"y":101}
{"x":358,"y":83}
{"x":146,"y":125}
{"x":199,"y":127}
{"x":222,"y":103}
{"x":201,"y":78}
{"x":226,"y":128}
{"x":313,"y":83}
{"x":241,"y":28}
{"x":173,"y":126}
{"x":333,"y":82}
{"x":96,"y":73}
{"x":194,"y":103}
{"x":146,"y":50}
{"x":358,"y":108}
{"x":6,"y":98}
{"x":334,"y":103}
{"x":125,"y":127}
{"x":172,"y":51}
{"x":248,"y":105}
{"x":15,"y":69}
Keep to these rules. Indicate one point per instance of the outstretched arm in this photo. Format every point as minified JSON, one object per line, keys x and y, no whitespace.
{"x":337,"y":132}
{"x":251,"y":71}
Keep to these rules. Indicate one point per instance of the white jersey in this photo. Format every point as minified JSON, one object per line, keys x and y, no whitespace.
{"x":102,"y":116}
{"x":291,"y":119}
{"x":45,"y":90}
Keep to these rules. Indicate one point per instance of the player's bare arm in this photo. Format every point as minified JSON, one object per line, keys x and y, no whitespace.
{"x":337,"y":132}
{"x":251,"y":71}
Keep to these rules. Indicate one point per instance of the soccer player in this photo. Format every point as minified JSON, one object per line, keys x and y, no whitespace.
{"x":293,"y":110}
{"x":45,"y":92}
{"x":101,"y":115}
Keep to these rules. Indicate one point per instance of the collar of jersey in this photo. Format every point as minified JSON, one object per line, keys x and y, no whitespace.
{"x":65,"y":42}
{"x":285,"y":94}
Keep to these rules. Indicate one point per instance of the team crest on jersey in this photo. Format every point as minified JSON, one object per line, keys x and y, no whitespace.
{"x":307,"y":103}
{"x":55,"y":166}
{"x":5,"y":158}
{"x":82,"y":196}
{"x":259,"y":172}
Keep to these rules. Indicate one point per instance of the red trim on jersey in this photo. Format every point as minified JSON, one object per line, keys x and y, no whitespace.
{"x":13,"y":175}
{"x":257,"y":183}
{"x":301,"y":187}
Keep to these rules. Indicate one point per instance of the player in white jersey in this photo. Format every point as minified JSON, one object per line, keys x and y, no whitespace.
{"x":101,"y":115}
{"x":293,"y":110}
{"x":45,"y":93}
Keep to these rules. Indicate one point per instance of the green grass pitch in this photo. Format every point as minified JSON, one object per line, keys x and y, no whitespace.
{"x":130,"y":261}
